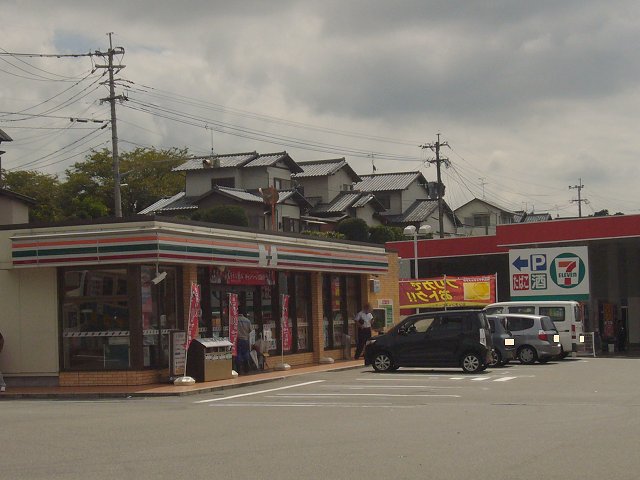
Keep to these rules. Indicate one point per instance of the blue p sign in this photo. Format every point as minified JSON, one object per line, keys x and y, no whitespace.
{"x":538,"y":262}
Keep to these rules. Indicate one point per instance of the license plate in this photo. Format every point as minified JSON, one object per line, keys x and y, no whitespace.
{"x":581,"y":339}
{"x":556,"y":338}
{"x":509,"y":342}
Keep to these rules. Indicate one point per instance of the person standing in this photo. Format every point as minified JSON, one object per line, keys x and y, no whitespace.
{"x":3,"y":386}
{"x":364,"y":319}
{"x":244,"y":348}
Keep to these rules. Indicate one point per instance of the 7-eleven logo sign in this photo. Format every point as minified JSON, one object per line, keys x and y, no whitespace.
{"x":567,"y":270}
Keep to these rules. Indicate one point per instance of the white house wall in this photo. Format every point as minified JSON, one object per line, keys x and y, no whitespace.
{"x":13,"y":211}
{"x":28,"y":317}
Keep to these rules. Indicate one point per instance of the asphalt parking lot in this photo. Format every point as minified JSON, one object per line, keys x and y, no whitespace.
{"x":571,"y":419}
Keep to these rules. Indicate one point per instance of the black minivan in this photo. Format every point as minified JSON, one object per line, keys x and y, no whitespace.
{"x":453,"y":338}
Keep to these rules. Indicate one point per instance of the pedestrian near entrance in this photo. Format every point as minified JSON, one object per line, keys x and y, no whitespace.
{"x":363,"y":319}
{"x":3,"y":386}
{"x":244,"y":348}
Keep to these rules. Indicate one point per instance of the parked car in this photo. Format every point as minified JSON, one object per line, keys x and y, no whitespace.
{"x":454,"y":338}
{"x":567,"y":316}
{"x":536,"y":338}
{"x":504,"y":349}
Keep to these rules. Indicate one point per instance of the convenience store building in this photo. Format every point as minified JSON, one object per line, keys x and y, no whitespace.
{"x":95,"y":304}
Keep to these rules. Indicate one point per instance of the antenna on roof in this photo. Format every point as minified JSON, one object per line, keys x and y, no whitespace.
{"x":211,"y":130}
{"x":373,"y":162}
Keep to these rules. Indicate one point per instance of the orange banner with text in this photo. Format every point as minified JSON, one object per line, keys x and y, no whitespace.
{"x":447,"y":292}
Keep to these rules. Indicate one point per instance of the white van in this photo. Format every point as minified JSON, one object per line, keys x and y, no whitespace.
{"x":567,"y":316}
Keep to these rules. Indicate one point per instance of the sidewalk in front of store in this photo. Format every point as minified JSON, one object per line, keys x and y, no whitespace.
{"x":168,"y":389}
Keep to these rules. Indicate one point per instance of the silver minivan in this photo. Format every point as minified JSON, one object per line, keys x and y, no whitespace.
{"x":536,"y":337}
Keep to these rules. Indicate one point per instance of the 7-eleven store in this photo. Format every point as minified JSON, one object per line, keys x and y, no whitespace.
{"x":80,"y":307}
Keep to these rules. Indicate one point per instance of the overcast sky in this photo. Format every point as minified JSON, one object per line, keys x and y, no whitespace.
{"x":530,"y":95}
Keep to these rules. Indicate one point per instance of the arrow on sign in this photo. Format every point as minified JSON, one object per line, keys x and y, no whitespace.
{"x":520,"y":263}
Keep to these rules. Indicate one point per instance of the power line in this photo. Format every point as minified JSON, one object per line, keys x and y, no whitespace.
{"x":580,"y":200}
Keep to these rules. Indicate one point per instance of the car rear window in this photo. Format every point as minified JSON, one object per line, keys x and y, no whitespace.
{"x":547,"y":324}
{"x":556,"y":314}
{"x":518,"y":323}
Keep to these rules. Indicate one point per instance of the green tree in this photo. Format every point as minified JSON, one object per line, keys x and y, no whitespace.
{"x":223,"y":214}
{"x":330,"y":234}
{"x":43,"y":188}
{"x":354,"y":229}
{"x":383,"y":234}
{"x":146,"y":175}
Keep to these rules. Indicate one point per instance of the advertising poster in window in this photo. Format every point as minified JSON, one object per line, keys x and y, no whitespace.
{"x":387,"y":306}
{"x":233,"y":322}
{"x":447,"y":292}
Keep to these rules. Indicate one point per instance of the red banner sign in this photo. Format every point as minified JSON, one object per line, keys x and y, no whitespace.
{"x":194,"y":313}
{"x":286,"y":328}
{"x":233,"y":322}
{"x":241,"y":276}
{"x":448,"y":292}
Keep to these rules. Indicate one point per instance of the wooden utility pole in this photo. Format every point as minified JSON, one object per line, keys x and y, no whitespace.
{"x":579,"y":187}
{"x":435,"y":147}
{"x":117,"y":200}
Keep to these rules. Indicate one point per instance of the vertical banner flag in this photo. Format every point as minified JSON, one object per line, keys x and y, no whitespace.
{"x":194,"y":314}
{"x":286,"y":329}
{"x":233,"y":322}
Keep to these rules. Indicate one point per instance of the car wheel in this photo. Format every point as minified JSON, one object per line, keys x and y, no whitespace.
{"x":382,"y":362}
{"x":471,"y":363}
{"x":496,"y":358}
{"x":527,"y":355}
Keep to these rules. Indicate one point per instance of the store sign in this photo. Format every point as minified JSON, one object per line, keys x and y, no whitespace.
{"x":241,"y":276}
{"x":233,"y":322}
{"x":549,"y":273}
{"x":447,"y":292}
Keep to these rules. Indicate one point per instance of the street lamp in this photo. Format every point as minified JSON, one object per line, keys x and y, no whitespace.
{"x":411,"y":231}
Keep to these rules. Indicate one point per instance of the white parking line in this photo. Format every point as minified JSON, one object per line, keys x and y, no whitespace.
{"x":480,"y":379}
{"x":258,"y":392}
{"x":504,"y":379}
{"x":307,"y":395}
{"x":315,"y":405}
{"x":388,"y":386}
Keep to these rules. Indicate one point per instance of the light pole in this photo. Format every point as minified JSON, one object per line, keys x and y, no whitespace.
{"x":411,"y":231}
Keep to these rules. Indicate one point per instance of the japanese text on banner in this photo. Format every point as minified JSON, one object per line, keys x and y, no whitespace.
{"x":233,"y":322}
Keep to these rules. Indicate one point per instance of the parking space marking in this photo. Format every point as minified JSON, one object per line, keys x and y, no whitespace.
{"x":258,"y":392}
{"x":504,"y":379}
{"x":390,"y":386}
{"x":314,"y":405}
{"x":309,"y":395}
{"x":480,"y":379}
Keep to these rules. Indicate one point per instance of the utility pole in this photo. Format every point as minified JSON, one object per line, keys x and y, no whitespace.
{"x":114,"y":129}
{"x":579,"y":187}
{"x":482,"y":184}
{"x":435,"y":147}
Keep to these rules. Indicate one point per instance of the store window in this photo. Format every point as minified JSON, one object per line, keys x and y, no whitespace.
{"x":259,"y":298}
{"x":159,"y":308}
{"x":341,"y":302}
{"x":95,"y":320}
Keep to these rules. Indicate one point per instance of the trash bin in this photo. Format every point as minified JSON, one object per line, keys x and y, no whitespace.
{"x":209,"y":359}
